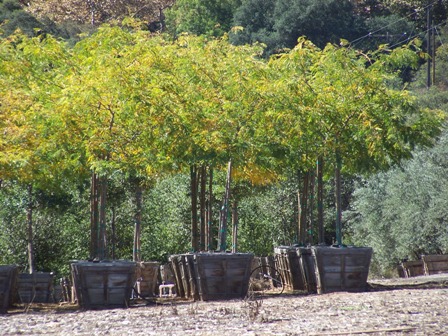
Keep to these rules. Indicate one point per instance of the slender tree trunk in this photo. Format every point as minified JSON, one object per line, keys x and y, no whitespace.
{"x":102,"y":219}
{"x":138,"y":220}
{"x":338,"y":193}
{"x":209,"y":211}
{"x":29,"y":218}
{"x":224,"y":211}
{"x":235,"y":228}
{"x":94,"y":227}
{"x":320,"y":202}
{"x":194,"y":214}
{"x":202,"y":206}
{"x":113,"y":231}
{"x":302,"y":199}
{"x":311,"y":208}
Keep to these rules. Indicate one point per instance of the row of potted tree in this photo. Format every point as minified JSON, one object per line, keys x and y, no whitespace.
{"x":125,"y":100}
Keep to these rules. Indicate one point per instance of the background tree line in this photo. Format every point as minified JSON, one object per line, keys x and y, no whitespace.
{"x":267,"y":214}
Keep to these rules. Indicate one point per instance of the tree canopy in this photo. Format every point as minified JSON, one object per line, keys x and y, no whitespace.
{"x":123,"y":100}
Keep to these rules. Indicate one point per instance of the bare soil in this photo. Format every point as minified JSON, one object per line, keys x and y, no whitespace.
{"x":390,"y":307}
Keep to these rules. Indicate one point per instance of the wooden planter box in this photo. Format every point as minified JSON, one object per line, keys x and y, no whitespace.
{"x":184,"y":272}
{"x":308,"y":269}
{"x":341,"y":269}
{"x":287,"y":263}
{"x":8,"y":279}
{"x":35,"y":288}
{"x":147,"y":273}
{"x":212,"y":276}
{"x":401,"y":271}
{"x":266,"y":263}
{"x":103,"y":284}
{"x":167,"y":274}
{"x":435,"y":263}
{"x":222,"y":276}
{"x":413,"y":268}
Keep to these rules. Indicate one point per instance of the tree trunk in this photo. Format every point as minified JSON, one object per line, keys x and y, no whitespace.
{"x":235,"y":228}
{"x":310,"y":232}
{"x":208,"y":240}
{"x":102,"y":219}
{"x":138,"y":220}
{"x":338,"y":193}
{"x":224,"y":212}
{"x":302,"y":199}
{"x":320,"y":202}
{"x":29,"y":217}
{"x":202,"y":206}
{"x":194,"y":214}
{"x":94,"y":227}
{"x":113,"y":232}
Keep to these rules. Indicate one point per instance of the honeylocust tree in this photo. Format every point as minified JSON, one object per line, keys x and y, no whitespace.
{"x":351,"y":112}
{"x":30,"y":153}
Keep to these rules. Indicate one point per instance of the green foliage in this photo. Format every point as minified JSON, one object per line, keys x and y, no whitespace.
{"x":401,"y":213}
{"x":392,"y":30}
{"x":266,"y":219}
{"x":417,"y":10}
{"x":166,"y":219}
{"x":438,"y":72}
{"x":60,"y":230}
{"x":256,"y":17}
{"x":279,"y":23}
{"x":31,"y":69}
{"x":201,"y":17}
{"x":13,"y":17}
{"x":61,"y":224}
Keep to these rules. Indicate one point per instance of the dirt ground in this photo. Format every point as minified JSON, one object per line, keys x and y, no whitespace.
{"x":388,"y":308}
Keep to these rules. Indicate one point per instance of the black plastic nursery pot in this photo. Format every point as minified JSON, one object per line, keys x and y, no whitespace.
{"x":341,"y":269}
{"x":104,"y":284}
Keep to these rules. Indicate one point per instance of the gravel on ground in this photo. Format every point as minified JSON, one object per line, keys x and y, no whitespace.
{"x":408,"y":311}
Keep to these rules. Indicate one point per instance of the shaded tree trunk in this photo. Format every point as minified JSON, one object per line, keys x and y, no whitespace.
{"x":29,"y":218}
{"x":113,"y":232}
{"x":102,"y":246}
{"x":94,"y":223}
{"x":311,"y":208}
{"x":302,"y":198}
{"x":202,"y":206}
{"x":320,"y":200}
{"x":224,"y":212}
{"x":235,"y":228}
{"x":194,"y":214}
{"x":136,"y":256}
{"x":208,"y":241}
{"x":338,"y":198}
